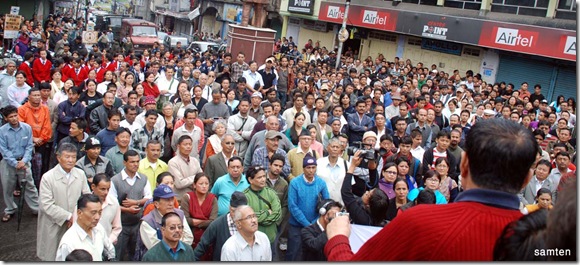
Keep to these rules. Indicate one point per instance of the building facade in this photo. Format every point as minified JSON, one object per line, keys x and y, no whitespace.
{"x":511,"y":41}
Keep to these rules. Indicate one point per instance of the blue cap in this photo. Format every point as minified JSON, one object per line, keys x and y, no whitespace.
{"x":163,"y":191}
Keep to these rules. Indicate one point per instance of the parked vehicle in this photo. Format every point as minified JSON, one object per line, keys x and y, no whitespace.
{"x":170,"y":41}
{"x":161,"y":36}
{"x":141,"y":33}
{"x":202,"y":46}
{"x":109,"y":21}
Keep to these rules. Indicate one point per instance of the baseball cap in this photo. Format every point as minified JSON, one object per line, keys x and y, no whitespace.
{"x":163,"y":191}
{"x":257,"y":94}
{"x":271,"y":60}
{"x":488,"y":112}
{"x":271,"y":134}
{"x":92,"y":142}
{"x":544,"y":101}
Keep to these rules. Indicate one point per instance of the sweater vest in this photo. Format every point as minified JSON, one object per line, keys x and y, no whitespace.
{"x":126,"y":191}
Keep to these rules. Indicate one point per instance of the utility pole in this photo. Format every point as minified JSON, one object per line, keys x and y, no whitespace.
{"x":342,"y":34}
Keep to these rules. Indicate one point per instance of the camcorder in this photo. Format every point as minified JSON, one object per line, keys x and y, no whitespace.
{"x":368,"y":154}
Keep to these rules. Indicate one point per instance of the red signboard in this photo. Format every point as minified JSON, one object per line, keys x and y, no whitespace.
{"x":360,"y":16}
{"x":547,"y":42}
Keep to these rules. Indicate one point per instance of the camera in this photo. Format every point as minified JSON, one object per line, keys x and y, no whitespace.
{"x":342,"y":213}
{"x":368,"y":154}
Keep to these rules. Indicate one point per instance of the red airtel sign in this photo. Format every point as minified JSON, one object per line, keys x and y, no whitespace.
{"x":366,"y":17}
{"x":534,"y":40}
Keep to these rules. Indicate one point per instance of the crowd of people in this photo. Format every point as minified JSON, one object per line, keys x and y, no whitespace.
{"x":173,"y":155}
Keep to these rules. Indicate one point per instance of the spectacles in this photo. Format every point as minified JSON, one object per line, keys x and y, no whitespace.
{"x":229,"y":143}
{"x":173,"y":228}
{"x":433,"y":179}
{"x":391,"y":172}
{"x":249,"y":217}
{"x":211,"y":75}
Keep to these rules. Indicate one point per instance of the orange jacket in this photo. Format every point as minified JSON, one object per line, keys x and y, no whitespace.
{"x":38,"y":118}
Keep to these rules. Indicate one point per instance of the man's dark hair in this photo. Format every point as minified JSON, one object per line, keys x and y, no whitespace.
{"x":112,"y":113}
{"x":501,"y":153}
{"x":183,"y":138}
{"x":167,"y":216}
{"x":545,"y":163}
{"x":79,"y":255}
{"x":406,"y":140}
{"x":425,"y":197}
{"x":162,"y":175}
{"x":130,"y":153}
{"x":81,"y":123}
{"x":98,"y":178}
{"x":278,"y":157}
{"x":563,"y":153}
{"x":151,"y":112}
{"x":85,"y":199}
{"x":442,"y":133}
{"x":521,"y":237}
{"x":378,"y":205}
{"x":562,"y":220}
{"x":234,"y":158}
{"x":540,"y":133}
{"x":6,"y":111}
{"x":360,"y":101}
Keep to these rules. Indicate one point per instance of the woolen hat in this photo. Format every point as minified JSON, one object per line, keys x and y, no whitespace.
{"x":238,"y":199}
{"x":308,"y":161}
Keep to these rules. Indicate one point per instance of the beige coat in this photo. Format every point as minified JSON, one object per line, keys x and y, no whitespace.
{"x":58,"y":200}
{"x":183,"y":173}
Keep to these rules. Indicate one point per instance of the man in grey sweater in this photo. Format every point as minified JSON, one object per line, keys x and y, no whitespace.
{"x":212,"y":111}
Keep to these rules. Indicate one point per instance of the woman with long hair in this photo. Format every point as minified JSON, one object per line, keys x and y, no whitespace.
{"x":90,"y":95}
{"x":149,"y":86}
{"x":401,"y":191}
{"x":388,"y":176}
{"x":293,"y":133}
{"x":128,"y":85}
{"x":556,"y":103}
{"x":107,"y":78}
{"x":167,"y":112}
{"x":200,"y":209}
{"x":316,"y":145}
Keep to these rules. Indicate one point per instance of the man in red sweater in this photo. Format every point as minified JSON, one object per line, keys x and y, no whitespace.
{"x":77,"y":73}
{"x":41,"y":68}
{"x":495,"y":167}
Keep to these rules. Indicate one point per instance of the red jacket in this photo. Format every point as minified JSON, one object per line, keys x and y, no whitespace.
{"x":149,"y":90}
{"x":100,"y":74}
{"x":78,"y":78}
{"x":25,"y":67}
{"x":41,"y":71}
{"x":465,"y":230}
{"x":112,"y":66}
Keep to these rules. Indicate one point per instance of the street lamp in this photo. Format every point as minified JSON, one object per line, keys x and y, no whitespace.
{"x":342,"y":34}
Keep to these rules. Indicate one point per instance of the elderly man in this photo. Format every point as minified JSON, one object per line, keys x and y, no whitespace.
{"x":263,"y":154}
{"x":163,"y":199}
{"x":183,"y":166}
{"x":247,"y":243}
{"x":296,"y":155}
{"x":171,"y":247}
{"x":229,"y":183}
{"x":215,"y":165}
{"x":7,"y":78}
{"x":93,"y":163}
{"x":60,"y":188}
{"x":258,"y":140}
{"x":491,"y":176}
{"x":99,"y":118}
{"x":87,"y":233}
{"x":241,"y":126}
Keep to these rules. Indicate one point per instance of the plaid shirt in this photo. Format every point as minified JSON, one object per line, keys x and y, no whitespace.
{"x":238,"y":70}
{"x":231,"y":225}
{"x":140,"y":138}
{"x":260,"y":157}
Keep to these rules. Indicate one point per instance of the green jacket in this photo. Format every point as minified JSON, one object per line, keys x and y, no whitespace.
{"x":267,"y":222}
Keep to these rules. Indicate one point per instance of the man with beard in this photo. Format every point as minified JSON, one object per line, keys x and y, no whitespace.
{"x":454,"y":147}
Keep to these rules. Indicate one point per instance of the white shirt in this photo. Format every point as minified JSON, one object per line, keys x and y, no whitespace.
{"x":237,"y":249}
{"x":332,"y":175}
{"x":418,"y":153}
{"x":164,"y":84}
{"x":77,"y":238}
{"x":253,"y":78}
{"x":132,"y":127}
{"x":206,"y":92}
{"x":131,"y":181}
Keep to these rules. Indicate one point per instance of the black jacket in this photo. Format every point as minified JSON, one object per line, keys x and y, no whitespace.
{"x":313,"y":241}
{"x":428,"y":161}
{"x":353,"y":204}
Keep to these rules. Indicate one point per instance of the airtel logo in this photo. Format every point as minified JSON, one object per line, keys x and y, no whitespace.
{"x":570,"y":46}
{"x":334,"y":12}
{"x":515,"y":37}
{"x":374,"y":18}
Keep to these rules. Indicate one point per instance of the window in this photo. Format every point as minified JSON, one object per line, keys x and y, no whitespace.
{"x":538,"y":8}
{"x":471,"y":51}
{"x":383,"y":36}
{"x":463,"y":4}
{"x":414,"y":41}
{"x":144,"y":31}
{"x":566,"y":9}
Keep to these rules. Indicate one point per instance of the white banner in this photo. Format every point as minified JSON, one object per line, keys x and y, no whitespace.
{"x":360,"y":234}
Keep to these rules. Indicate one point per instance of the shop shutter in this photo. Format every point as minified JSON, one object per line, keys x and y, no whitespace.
{"x":517,"y":70}
{"x":565,"y":83}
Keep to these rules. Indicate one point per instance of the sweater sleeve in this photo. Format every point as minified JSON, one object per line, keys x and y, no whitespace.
{"x":338,"y":249}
